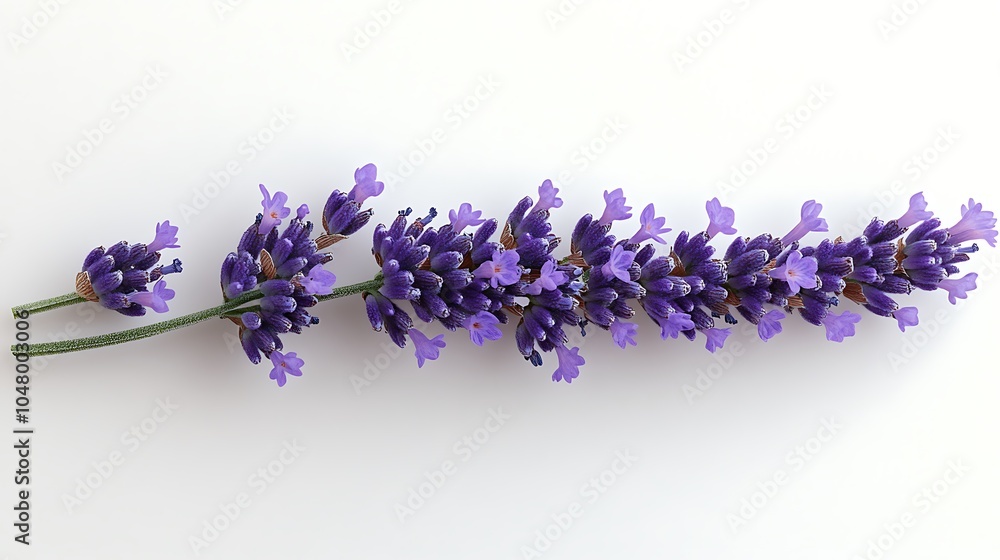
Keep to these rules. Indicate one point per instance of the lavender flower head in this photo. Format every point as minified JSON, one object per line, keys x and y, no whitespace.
{"x":119,"y":277}
{"x":286,"y":269}
{"x":342,"y":214}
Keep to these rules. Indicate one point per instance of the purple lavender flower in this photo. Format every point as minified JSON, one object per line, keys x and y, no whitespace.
{"x":171,"y":268}
{"x":155,"y":300}
{"x":546,"y":312}
{"x":547,"y":198}
{"x":274,"y":210}
{"x":397,"y":251}
{"x":113,"y":276}
{"x":906,"y":317}
{"x":615,"y":208}
{"x":283,"y":309}
{"x":747,"y":280}
{"x":286,"y":267}
{"x":674,"y":324}
{"x":289,"y":364}
{"x":448,"y":291}
{"x":809,"y":222}
{"x":483,"y":326}
{"x":693,"y":267}
{"x":342,"y":213}
{"x":798,"y":271}
{"x":426,"y":348}
{"x":839,"y":327}
{"x":720,"y":218}
{"x":623,"y":332}
{"x":605,"y":299}
{"x":650,"y":227}
{"x":716,"y":338}
{"x":318,"y":281}
{"x":975,"y":224}
{"x":166,"y":238}
{"x":463,"y":217}
{"x":959,"y":288}
{"x":531,"y":235}
{"x":619,"y":263}
{"x":501,"y":270}
{"x":366,"y":185}
{"x":570,"y":361}
{"x":549,"y":278}
{"x":770,"y":325}
{"x":916,"y":213}
{"x":239,"y":273}
{"x":383,"y":312}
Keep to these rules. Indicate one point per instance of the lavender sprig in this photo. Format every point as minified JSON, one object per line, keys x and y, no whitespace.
{"x":473,"y":274}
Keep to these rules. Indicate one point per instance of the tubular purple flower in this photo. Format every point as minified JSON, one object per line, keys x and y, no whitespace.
{"x":156,"y":299}
{"x":650,"y":227}
{"x":958,"y":288}
{"x":547,"y":198}
{"x":483,"y":326}
{"x":549,"y":278}
{"x":365,"y":185}
{"x":426,"y":348}
{"x":916,"y":213}
{"x":674,"y":324}
{"x":809,"y":222}
{"x":906,"y":317}
{"x":720,"y":218}
{"x":619,"y":263}
{"x":172,"y":268}
{"x":974,"y":224}
{"x":798,"y":271}
{"x":501,"y":270}
{"x":318,"y":281}
{"x":289,"y":364}
{"x":250,"y":320}
{"x":302,"y":212}
{"x":839,"y":327}
{"x":770,"y":325}
{"x":570,"y":361}
{"x":274,"y":210}
{"x":716,"y":338}
{"x":623,"y":332}
{"x":166,"y":238}
{"x":614,"y":208}
{"x":464,"y":217}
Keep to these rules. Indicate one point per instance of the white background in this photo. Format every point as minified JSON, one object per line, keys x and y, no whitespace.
{"x":558,"y":82}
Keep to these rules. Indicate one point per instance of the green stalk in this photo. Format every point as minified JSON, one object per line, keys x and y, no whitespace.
{"x":47,"y":304}
{"x":231,"y":307}
{"x":369,"y":286}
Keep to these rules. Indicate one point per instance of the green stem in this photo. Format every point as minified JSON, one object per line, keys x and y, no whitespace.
{"x":138,"y":333}
{"x":369,"y":286}
{"x":47,"y":304}
{"x":221,"y":311}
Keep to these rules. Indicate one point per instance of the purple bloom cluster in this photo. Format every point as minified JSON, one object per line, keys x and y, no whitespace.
{"x":475,"y":282}
{"x":286,"y":268}
{"x":872,"y":269}
{"x":118,"y":277}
